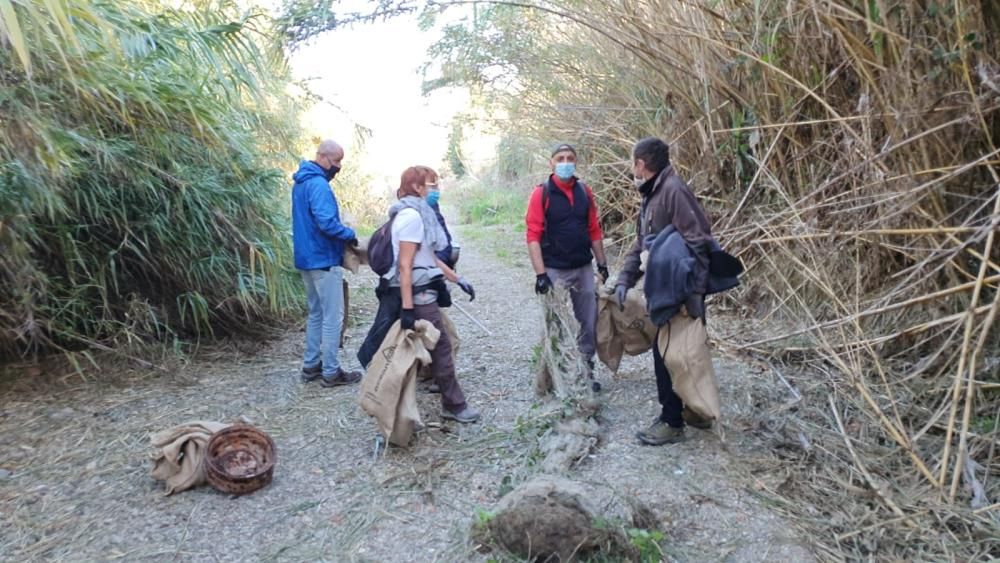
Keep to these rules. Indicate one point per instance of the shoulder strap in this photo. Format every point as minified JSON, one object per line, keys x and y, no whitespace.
{"x":586,"y":192}
{"x":545,"y":208}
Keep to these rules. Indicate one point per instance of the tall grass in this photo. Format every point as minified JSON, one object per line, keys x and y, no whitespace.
{"x":847,"y":150}
{"x":139,"y":190}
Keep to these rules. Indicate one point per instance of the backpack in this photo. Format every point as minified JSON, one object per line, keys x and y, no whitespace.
{"x":380,"y":256}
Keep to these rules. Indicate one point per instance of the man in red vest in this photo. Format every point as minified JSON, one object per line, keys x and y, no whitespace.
{"x":564,"y":237}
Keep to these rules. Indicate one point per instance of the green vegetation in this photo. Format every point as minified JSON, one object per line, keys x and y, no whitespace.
{"x":455,"y":138}
{"x":490,"y":202}
{"x":140,"y":189}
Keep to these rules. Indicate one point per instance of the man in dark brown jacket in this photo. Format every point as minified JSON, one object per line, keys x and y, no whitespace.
{"x":666,"y":200}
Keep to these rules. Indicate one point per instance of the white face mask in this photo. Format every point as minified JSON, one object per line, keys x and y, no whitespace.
{"x":638,"y":182}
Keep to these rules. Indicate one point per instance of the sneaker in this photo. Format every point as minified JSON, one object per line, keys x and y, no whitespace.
{"x":312,"y":373}
{"x":660,"y":433}
{"x":341,"y":378}
{"x":694,"y":419}
{"x":466,"y":415}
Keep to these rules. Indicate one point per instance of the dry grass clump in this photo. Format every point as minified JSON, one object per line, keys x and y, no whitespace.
{"x":563,"y":380}
{"x":848,"y":152}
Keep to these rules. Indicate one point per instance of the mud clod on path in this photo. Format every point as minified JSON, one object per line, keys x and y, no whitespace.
{"x":555,"y":519}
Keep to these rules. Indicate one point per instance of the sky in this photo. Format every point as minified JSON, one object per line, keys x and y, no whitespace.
{"x":370,"y":76}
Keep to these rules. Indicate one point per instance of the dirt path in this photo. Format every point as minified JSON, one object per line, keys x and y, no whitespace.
{"x":74,"y":468}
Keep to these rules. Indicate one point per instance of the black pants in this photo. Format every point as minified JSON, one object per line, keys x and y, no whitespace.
{"x":389,"y":305}
{"x":671,"y":403}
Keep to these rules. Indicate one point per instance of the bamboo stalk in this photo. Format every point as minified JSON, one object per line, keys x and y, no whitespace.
{"x":875,"y":526}
{"x":915,"y":329}
{"x":929,"y":231}
{"x":827,"y":121}
{"x":880,"y":310}
{"x":864,"y":470}
{"x":970,"y":385}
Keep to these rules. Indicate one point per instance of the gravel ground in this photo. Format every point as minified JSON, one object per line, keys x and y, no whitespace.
{"x":74,"y":453}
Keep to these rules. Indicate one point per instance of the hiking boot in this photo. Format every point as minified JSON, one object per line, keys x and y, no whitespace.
{"x":341,"y":378}
{"x":694,"y":419}
{"x":660,"y":433}
{"x":466,"y":415}
{"x":312,"y":373}
{"x":594,"y":385}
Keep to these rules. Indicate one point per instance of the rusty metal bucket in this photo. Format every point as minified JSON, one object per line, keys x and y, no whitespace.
{"x":240,"y":459}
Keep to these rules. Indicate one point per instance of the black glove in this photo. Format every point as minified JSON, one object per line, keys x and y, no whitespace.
{"x":407,"y":318}
{"x":620,"y":291}
{"x":542,"y":283}
{"x":467,"y":288}
{"x":602,"y":269}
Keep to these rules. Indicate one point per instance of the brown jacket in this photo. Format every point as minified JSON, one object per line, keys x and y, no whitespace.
{"x":666,"y":200}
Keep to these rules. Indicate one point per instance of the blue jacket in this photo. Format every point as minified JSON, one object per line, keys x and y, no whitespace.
{"x":673,"y":273}
{"x":317,"y":233}
{"x":670,"y":275}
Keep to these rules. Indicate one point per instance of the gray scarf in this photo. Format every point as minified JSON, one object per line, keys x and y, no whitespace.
{"x":433,"y":233}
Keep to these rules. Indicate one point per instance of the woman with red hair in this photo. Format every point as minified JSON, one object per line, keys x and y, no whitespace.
{"x":449,"y":254}
{"x":419,"y":276}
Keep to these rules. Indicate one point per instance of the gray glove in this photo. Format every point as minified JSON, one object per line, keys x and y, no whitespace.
{"x":620,"y":291}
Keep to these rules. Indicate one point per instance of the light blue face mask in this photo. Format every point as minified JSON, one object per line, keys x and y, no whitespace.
{"x":433,"y":196}
{"x":565,"y":170}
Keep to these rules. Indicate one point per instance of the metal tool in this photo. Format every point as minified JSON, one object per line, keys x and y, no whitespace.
{"x":471,"y":318}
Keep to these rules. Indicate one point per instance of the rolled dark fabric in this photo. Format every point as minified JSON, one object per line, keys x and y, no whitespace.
{"x":389,"y":305}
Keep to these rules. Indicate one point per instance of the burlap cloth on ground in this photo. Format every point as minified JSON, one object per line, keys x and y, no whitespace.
{"x":623,"y":332}
{"x":684,"y":345}
{"x":389,"y":388}
{"x":179,"y":454}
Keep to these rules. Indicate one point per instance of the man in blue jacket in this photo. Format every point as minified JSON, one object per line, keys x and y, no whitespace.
{"x":319,"y":238}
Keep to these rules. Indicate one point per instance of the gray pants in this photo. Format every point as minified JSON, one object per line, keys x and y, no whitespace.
{"x":580,"y":282}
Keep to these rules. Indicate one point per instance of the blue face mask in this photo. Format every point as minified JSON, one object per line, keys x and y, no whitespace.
{"x":433,"y":196}
{"x":565,"y":170}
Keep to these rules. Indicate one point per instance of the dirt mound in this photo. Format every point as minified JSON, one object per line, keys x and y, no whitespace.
{"x":555,"y":519}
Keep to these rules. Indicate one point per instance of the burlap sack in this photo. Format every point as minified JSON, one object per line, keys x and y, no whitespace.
{"x":623,"y":332}
{"x":355,"y":257}
{"x":683,"y":342}
{"x":388,"y":389}
{"x":449,"y":328}
{"x":179,"y":453}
